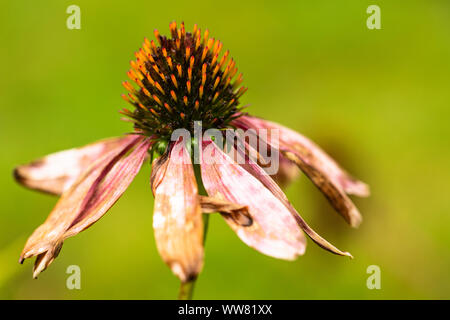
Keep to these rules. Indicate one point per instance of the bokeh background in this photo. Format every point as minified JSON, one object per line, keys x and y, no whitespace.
{"x":377,"y":100}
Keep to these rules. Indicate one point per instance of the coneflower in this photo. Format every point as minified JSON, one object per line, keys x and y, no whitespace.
{"x":175,"y":83}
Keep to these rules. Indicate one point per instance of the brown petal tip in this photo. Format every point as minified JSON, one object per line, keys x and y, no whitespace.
{"x":17,"y":176}
{"x":42,"y":262}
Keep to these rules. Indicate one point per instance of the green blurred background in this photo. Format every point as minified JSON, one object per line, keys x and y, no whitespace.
{"x":377,"y":100}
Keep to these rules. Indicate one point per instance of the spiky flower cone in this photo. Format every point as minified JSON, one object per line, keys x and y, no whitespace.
{"x":182,"y":80}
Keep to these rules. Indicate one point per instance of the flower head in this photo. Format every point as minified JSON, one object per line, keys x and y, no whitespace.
{"x":180,"y":81}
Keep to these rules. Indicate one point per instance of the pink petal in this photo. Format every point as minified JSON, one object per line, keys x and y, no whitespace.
{"x":177,"y":216}
{"x":335,"y":195}
{"x":318,"y":166}
{"x":274,"y":231}
{"x":294,"y":140}
{"x":89,"y":198}
{"x":56,"y":172}
{"x":109,"y":186}
{"x":256,"y":171}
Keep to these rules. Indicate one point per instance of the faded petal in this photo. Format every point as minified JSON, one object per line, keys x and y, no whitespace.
{"x":56,"y":172}
{"x":273,"y":231}
{"x":255,"y":170}
{"x":323,"y":171}
{"x":89,"y":198}
{"x":295,"y":141}
{"x":335,"y":195}
{"x":177,"y":216}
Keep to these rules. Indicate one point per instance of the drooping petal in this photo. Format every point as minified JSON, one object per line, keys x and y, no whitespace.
{"x":273,"y":231}
{"x":337,"y":198}
{"x":56,"y":172}
{"x":87,"y":200}
{"x":255,"y":170}
{"x":324,"y":172}
{"x":295,"y":141}
{"x":177,"y":216}
{"x":108,"y":187}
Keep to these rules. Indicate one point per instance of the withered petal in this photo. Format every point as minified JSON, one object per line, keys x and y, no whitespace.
{"x":86,"y":200}
{"x":336,"y":196}
{"x":250,"y":166}
{"x":56,"y":172}
{"x":323,"y":171}
{"x":273,"y":231}
{"x":256,"y":171}
{"x":177,"y":216}
{"x":109,"y":186}
{"x":43,"y":260}
{"x":294,"y":141}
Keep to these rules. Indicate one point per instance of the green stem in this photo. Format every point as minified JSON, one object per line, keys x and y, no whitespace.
{"x":187,"y":288}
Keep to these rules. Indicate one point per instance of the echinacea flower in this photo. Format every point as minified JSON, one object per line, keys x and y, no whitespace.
{"x":179,"y":81}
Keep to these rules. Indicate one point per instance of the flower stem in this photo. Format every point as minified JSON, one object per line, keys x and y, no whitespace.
{"x":187,"y":288}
